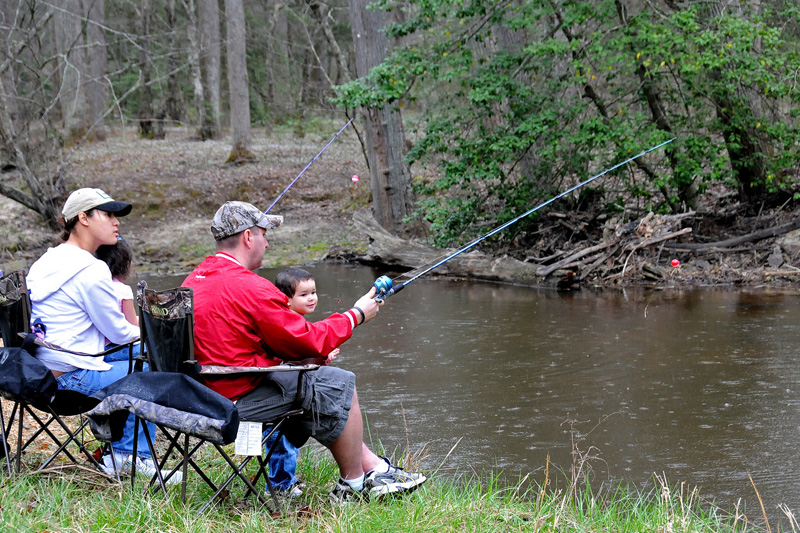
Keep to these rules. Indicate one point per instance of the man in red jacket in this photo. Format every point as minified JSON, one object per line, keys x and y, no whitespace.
{"x":242,"y":319}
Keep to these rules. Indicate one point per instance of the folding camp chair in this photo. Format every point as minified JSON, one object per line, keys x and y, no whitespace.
{"x":167,"y":329}
{"x":29,"y":384}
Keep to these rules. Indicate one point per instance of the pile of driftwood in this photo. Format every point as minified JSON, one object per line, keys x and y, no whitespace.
{"x":641,"y":250}
{"x":619,"y":245}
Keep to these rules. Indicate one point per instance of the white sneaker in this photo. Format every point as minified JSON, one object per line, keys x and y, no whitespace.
{"x":394,"y":481}
{"x":144,"y":466}
{"x":294,"y":491}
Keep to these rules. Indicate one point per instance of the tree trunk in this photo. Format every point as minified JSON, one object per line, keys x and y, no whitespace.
{"x":7,"y":31}
{"x":173,"y":104}
{"x":238,"y":85}
{"x":203,"y":126}
{"x":320,"y":11}
{"x":392,"y":195}
{"x":75,"y":111}
{"x":210,"y":39}
{"x":270,"y":63}
{"x":746,"y":149}
{"x":146,"y":129}
{"x":301,"y":101}
{"x":97,"y":55}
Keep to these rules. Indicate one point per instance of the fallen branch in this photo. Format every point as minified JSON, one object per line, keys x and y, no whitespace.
{"x":549,"y":269}
{"x":782,"y":273}
{"x":655,"y":240}
{"x":588,"y":270}
{"x":576,"y":263}
{"x":727,"y":243}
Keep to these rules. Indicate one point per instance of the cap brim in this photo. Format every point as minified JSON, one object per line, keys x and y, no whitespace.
{"x":118,"y":208}
{"x":270,"y":221}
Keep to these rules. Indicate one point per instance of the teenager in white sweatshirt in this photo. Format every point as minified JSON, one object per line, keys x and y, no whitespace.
{"x":73,"y":303}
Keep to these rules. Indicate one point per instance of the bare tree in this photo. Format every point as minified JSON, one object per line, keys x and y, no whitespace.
{"x":204,"y":128}
{"x":210,"y":39}
{"x":238,"y":85}
{"x":29,"y":177}
{"x":8,"y":25}
{"x":75,"y":112}
{"x":321,"y":13}
{"x":146,"y":128}
{"x":272,"y":21}
{"x":173,"y":102}
{"x":390,"y":177}
{"x":97,"y":59}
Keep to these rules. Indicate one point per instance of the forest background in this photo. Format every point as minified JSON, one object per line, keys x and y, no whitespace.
{"x":465,"y":115}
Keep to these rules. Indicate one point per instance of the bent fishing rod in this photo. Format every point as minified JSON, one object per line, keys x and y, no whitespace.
{"x":383,"y":284}
{"x":308,"y":165}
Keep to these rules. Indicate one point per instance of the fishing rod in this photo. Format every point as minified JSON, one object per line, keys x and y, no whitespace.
{"x":383,"y":284}
{"x":308,"y":165}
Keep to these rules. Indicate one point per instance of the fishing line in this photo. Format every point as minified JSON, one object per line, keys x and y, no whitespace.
{"x":308,"y":165}
{"x":384,"y":284}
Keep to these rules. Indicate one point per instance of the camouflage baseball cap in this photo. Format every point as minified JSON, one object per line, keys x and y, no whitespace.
{"x":234,"y":217}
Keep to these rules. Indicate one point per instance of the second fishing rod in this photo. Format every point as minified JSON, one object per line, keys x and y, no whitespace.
{"x":385,"y":287}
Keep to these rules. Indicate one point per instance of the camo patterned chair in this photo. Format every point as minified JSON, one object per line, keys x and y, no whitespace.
{"x":28,"y":384}
{"x":181,"y":407}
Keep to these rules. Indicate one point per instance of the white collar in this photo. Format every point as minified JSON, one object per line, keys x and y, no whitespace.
{"x":228,"y":257}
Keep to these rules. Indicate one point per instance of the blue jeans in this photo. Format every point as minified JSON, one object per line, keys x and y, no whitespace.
{"x":122,"y":353}
{"x":90,"y":381}
{"x":283,"y":463}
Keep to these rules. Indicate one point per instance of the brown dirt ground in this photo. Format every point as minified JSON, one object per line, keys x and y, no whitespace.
{"x":177,"y":184}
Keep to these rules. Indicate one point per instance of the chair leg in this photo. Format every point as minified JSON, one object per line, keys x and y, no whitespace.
{"x":264,"y":462}
{"x":149,"y":439}
{"x":72,"y":436}
{"x":135,"y":452}
{"x":174,"y":445}
{"x":19,"y":440}
{"x":185,"y":467}
{"x":5,"y":429}
{"x":237,"y":472}
{"x":44,"y":427}
{"x":19,"y":410}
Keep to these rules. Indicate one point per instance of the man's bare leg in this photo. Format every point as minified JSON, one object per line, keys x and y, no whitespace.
{"x":349,"y":450}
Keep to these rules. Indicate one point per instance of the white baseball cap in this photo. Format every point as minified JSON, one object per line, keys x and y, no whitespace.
{"x":87,"y":199}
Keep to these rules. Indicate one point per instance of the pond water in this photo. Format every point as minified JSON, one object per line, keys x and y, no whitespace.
{"x":697,"y":386}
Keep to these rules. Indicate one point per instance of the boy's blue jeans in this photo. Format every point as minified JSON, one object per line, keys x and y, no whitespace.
{"x":283,"y":463}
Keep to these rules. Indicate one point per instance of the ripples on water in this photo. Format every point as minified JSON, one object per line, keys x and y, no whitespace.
{"x":699,"y":385}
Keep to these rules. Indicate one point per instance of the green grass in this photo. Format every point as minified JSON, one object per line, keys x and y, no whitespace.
{"x":78,"y":500}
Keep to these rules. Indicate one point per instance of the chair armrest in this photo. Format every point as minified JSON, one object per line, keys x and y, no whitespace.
{"x":212,"y":370}
{"x":41,"y":342}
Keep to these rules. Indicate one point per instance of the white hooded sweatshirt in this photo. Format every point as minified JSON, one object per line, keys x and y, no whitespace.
{"x":72,"y":294}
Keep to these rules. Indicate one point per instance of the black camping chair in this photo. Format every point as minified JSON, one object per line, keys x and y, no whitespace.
{"x":29,"y":384}
{"x":167,"y":330}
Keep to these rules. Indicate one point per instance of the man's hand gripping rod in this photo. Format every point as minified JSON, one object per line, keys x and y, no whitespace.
{"x":384,"y":287}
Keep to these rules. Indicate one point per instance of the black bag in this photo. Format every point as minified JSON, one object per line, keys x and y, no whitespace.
{"x":25,"y":378}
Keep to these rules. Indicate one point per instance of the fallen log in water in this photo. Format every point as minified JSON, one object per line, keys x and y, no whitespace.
{"x":392,"y":251}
